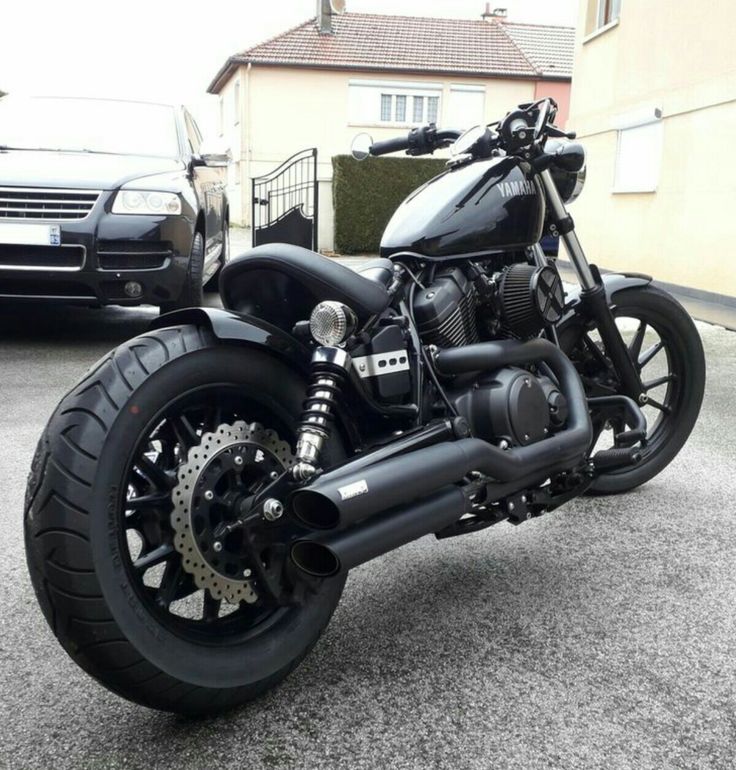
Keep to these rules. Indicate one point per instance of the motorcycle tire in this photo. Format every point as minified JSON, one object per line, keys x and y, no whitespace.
{"x":104,"y":615}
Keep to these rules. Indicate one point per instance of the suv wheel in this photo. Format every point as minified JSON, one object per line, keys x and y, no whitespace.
{"x":214,"y":282}
{"x":192,"y":293}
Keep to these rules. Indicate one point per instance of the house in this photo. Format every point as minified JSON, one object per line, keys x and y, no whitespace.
{"x":654,"y":102}
{"x":336,"y":75}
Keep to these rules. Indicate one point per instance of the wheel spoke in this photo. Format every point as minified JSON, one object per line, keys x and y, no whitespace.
{"x":211,"y":607}
{"x":637,"y":341}
{"x":185,"y":433}
{"x":216,"y":418}
{"x":147,"y":502}
{"x":649,"y":354}
{"x":155,"y":474}
{"x":662,"y":407}
{"x":596,"y":352}
{"x":659,"y":381}
{"x":170,"y":580}
{"x":154,"y":557}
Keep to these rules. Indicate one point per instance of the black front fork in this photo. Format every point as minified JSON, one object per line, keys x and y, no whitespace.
{"x":594,"y":303}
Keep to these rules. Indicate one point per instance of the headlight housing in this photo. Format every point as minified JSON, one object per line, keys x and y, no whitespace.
{"x":331,"y":323}
{"x":145,"y":202}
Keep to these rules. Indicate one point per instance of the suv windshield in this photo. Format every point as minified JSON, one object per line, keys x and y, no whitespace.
{"x":88,"y":125}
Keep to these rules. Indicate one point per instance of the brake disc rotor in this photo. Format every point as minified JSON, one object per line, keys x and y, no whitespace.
{"x":214,"y":479}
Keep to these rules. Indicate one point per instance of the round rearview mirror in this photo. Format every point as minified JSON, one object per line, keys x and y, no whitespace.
{"x":464,"y":143}
{"x":361,"y":147}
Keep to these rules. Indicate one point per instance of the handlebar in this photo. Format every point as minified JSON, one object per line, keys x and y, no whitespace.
{"x":419,"y":141}
{"x":519,"y":132}
{"x":396,"y":144}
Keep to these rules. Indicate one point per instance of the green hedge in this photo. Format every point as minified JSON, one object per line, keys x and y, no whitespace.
{"x":366,"y":194}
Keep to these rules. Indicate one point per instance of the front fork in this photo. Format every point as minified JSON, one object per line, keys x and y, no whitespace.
{"x":593,"y":301}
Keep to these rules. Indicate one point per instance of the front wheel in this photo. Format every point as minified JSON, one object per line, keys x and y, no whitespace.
{"x":668,"y":353}
{"x":192,"y":292}
{"x":138,"y":466}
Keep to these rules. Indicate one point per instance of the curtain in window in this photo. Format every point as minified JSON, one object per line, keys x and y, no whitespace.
{"x":386,"y":107}
{"x":400,"y":116}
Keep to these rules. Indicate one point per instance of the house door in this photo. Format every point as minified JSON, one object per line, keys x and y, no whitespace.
{"x":285,"y":202}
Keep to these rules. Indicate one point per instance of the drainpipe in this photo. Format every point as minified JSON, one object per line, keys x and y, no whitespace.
{"x":248,"y":153}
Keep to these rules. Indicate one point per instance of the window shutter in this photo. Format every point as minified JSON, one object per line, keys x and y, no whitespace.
{"x":466,"y":108}
{"x":639,"y":158}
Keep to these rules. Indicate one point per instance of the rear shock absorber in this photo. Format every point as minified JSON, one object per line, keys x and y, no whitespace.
{"x":329,"y":370}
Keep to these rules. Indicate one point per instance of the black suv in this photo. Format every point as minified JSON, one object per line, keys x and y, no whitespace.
{"x":108,"y":202}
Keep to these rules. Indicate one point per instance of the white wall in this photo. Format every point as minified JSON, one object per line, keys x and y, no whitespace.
{"x":285,"y":110}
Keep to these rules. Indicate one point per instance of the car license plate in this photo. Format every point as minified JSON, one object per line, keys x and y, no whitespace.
{"x":30,"y":235}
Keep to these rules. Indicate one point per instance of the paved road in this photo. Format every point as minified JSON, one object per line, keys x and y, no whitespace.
{"x":599,"y":635}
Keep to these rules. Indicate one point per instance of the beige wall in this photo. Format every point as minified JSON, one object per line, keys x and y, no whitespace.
{"x":285,"y":110}
{"x":678,"y":57}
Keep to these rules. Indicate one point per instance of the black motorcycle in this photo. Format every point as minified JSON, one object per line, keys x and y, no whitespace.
{"x":197,"y":500}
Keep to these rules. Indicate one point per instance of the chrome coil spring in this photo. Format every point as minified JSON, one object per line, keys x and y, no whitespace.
{"x":315,"y":422}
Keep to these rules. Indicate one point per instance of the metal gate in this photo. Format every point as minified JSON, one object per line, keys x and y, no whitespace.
{"x":285,"y":202}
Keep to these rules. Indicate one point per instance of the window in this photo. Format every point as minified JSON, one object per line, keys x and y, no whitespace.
{"x":393,"y":103}
{"x":193,"y":134}
{"x":236,"y":101}
{"x":400,"y":114}
{"x":608,"y":12}
{"x":600,"y":16}
{"x":424,"y":108}
{"x":466,"y":107}
{"x":639,"y":158}
{"x":386,"y":107}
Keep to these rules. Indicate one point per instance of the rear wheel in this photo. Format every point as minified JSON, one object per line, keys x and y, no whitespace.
{"x":129,"y":578}
{"x":666,"y":347}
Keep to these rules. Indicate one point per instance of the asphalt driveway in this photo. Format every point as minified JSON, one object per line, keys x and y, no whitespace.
{"x":601,"y":635}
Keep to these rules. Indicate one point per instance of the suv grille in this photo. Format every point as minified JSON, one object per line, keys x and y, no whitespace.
{"x":131,"y":255}
{"x":30,"y":203}
{"x":13,"y":257}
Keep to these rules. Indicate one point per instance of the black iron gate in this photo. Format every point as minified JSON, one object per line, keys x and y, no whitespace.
{"x":285,"y":202}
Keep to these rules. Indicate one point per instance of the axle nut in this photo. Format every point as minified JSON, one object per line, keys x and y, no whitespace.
{"x":273,"y":509}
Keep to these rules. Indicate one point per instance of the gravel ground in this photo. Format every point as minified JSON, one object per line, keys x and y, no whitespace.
{"x":601,"y":635}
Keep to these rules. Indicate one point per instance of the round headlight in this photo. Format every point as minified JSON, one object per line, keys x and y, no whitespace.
{"x":331,"y":323}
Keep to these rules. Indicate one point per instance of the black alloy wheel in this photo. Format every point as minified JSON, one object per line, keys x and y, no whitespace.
{"x":665,"y":345}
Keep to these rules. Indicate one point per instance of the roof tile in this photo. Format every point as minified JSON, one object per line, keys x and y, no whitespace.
{"x":420,"y":44}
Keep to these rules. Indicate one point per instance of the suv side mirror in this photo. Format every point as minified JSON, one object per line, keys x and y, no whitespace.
{"x":215,"y":153}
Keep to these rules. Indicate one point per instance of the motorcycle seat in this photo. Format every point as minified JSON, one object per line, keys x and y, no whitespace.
{"x":380,"y":270}
{"x":281,"y":283}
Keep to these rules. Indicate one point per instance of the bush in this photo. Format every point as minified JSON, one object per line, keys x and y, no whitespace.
{"x":366,"y":194}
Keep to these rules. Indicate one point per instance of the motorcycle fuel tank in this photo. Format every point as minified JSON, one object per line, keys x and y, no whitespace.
{"x":487,"y":206}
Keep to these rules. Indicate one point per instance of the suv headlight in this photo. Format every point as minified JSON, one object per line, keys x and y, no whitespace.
{"x":144,"y":202}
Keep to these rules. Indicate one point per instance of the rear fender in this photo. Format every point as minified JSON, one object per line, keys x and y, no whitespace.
{"x":232,"y":327}
{"x":240,"y":329}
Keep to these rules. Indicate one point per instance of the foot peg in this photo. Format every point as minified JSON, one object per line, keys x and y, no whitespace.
{"x":618,"y":457}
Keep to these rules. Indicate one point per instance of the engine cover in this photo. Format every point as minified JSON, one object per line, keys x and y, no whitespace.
{"x":445,"y":311}
{"x":511,"y":404}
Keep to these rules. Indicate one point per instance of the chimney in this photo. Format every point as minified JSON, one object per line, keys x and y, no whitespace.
{"x":497,"y":13}
{"x":324,"y":17}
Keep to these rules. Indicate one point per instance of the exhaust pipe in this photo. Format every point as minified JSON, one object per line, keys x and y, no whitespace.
{"x":347,"y":495}
{"x":327,"y":554}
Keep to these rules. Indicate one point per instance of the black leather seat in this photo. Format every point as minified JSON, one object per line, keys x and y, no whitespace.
{"x":379,"y":270}
{"x":282,"y":283}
